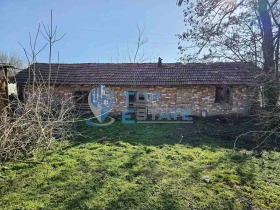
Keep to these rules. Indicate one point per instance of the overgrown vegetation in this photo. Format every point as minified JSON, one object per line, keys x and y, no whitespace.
{"x":41,"y":115}
{"x":144,"y":167}
{"x":33,"y":124}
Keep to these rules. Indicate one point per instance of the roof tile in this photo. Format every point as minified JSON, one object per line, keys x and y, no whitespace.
{"x":145,"y":74}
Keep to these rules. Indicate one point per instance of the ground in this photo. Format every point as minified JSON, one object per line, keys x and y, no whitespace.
{"x":152,"y":166}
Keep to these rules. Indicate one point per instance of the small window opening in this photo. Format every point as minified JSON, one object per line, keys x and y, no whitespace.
{"x":223,"y":95}
{"x":81,"y":96}
{"x":131,"y":97}
{"x":141,"y":97}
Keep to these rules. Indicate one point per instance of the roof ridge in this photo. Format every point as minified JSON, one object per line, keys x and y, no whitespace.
{"x":201,"y":63}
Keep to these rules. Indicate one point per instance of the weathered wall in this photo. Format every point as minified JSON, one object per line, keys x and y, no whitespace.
{"x":193,"y":97}
{"x":3,"y":95}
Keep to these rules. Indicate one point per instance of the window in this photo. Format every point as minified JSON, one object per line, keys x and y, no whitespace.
{"x":81,"y":96}
{"x":223,"y":95}
{"x":141,"y":97}
{"x":132,"y":96}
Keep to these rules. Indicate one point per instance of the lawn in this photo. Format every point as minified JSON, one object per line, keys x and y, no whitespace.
{"x":150,"y":166}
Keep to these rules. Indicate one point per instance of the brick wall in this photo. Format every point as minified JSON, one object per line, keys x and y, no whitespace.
{"x":193,"y":97}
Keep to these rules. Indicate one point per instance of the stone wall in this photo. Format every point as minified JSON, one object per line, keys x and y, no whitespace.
{"x":193,"y":97}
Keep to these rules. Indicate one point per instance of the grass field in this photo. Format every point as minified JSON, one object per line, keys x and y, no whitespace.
{"x":143,"y":167}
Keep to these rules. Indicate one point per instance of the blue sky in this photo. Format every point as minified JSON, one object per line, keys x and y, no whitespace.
{"x":96,"y":30}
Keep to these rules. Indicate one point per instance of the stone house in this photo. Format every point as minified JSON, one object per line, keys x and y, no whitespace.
{"x":221,"y":88}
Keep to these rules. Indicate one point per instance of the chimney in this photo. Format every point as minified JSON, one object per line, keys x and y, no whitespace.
{"x":159,"y":62}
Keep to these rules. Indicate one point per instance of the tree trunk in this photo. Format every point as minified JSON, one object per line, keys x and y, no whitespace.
{"x":270,"y":87}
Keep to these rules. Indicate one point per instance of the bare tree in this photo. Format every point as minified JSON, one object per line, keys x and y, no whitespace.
{"x":238,"y":30}
{"x":12,"y":59}
{"x":43,"y":116}
{"x":243,"y":30}
{"x":138,"y":55}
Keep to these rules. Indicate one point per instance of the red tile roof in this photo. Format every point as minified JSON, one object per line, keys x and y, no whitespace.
{"x":232,"y":73}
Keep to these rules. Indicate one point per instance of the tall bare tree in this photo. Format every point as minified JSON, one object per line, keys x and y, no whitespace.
{"x":238,"y":30}
{"x":43,"y":116}
{"x":138,"y":54}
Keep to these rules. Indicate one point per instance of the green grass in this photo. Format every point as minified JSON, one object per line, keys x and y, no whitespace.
{"x":143,"y":167}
